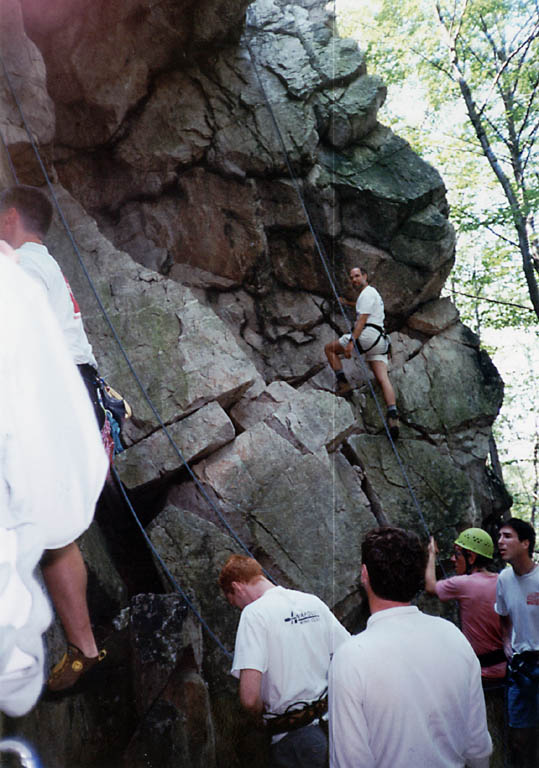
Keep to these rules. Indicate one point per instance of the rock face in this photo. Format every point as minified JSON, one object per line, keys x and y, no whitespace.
{"x":206,"y":156}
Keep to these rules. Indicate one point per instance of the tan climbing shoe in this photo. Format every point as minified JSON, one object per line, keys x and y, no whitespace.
{"x":343,"y":387}
{"x":393,"y":425}
{"x":71,"y":666}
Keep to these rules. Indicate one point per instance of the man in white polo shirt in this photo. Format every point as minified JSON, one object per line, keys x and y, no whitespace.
{"x":369,"y":334}
{"x":407,"y":690}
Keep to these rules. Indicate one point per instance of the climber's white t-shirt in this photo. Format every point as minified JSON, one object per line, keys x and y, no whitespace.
{"x":290,"y":637}
{"x":52,"y":469}
{"x":369,"y":302}
{"x":37,"y":262}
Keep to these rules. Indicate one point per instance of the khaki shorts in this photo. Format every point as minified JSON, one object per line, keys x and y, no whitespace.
{"x":368,"y":336}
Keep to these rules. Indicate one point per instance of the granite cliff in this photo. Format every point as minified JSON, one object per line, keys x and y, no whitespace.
{"x":189,"y":145}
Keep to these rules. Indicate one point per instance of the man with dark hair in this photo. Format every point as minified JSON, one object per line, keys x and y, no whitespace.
{"x":25,"y":217}
{"x":372,"y":341}
{"x":406,"y":691}
{"x":517,"y":597}
{"x":284,"y":644}
{"x":474,"y":587}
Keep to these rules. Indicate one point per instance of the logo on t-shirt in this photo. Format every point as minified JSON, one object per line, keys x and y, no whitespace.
{"x":76,"y":308}
{"x":302,"y":618}
{"x":533,"y":598}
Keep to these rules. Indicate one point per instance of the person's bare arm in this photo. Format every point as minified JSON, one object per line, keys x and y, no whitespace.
{"x":430,"y":572}
{"x":250,"y":684}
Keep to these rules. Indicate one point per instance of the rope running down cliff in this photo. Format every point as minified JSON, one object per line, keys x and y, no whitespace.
{"x":133,"y":371}
{"x":324,"y":261}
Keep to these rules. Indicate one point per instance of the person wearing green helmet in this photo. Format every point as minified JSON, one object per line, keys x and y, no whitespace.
{"x":474,"y":587}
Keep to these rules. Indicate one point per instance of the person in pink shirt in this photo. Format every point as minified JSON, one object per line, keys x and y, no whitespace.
{"x":474,"y":587}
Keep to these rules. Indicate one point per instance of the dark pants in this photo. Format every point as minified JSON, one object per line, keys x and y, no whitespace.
{"x":305,"y":748}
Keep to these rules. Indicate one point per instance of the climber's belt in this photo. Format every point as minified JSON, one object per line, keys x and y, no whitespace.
{"x":297,"y":718}
{"x":381,"y":333}
{"x":490,"y":658}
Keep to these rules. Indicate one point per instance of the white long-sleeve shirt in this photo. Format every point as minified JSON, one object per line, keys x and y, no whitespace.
{"x":407,"y":692}
{"x":52,"y":469}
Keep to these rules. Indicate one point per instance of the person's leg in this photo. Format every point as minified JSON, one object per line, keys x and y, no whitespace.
{"x":304,"y":748}
{"x":380,"y":372}
{"x":64,"y":572}
{"x":334,"y":352}
{"x":523,"y":712}
{"x":379,"y":368}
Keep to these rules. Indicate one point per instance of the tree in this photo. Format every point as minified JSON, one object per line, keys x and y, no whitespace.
{"x":485,"y":53}
{"x":409,"y":46}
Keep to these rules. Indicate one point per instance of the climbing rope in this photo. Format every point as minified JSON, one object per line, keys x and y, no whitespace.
{"x":165,"y":568}
{"x":145,"y":394}
{"x":150,"y":544}
{"x":122,"y":349}
{"x":9,"y":159}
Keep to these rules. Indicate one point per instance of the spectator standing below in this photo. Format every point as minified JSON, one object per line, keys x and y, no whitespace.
{"x":284,"y":644}
{"x":52,"y":469}
{"x":475,"y":589}
{"x":25,"y":218}
{"x":517,"y":597}
{"x":370,"y":336}
{"x":406,"y":691}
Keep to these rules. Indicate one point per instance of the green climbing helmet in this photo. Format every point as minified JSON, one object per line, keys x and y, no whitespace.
{"x":476,"y":540}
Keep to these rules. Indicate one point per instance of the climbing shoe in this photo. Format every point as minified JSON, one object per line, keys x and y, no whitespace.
{"x":393,"y":424}
{"x":71,"y":666}
{"x":343,"y":387}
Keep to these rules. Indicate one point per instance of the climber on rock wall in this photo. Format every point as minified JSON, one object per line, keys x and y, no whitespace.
{"x":284,"y":644}
{"x":407,"y":690}
{"x":25,"y":218}
{"x":474,"y":588}
{"x":369,"y":334}
{"x":517,"y":598}
{"x":52,"y":467}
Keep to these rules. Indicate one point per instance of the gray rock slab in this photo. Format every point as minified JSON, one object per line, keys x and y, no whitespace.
{"x":194,"y":550}
{"x":447,"y":387}
{"x":310,"y":420}
{"x":185,"y":356}
{"x":294,"y":504}
{"x":443,"y":491}
{"x":171,"y":696}
{"x":434,"y":317}
{"x":196,"y":436}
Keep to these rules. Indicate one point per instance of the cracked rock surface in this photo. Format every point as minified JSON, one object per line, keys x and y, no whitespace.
{"x":157,"y":124}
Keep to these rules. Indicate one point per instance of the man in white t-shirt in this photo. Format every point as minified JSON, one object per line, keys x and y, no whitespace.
{"x":25,"y":218}
{"x":284,"y":644}
{"x":517,"y":598}
{"x":407,"y":690}
{"x":369,"y":335}
{"x":52,"y":469}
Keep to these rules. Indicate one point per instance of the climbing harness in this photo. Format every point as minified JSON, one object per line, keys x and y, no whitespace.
{"x":117,"y":410}
{"x":292,"y":719}
{"x":381,"y":335}
{"x":490,"y":658}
